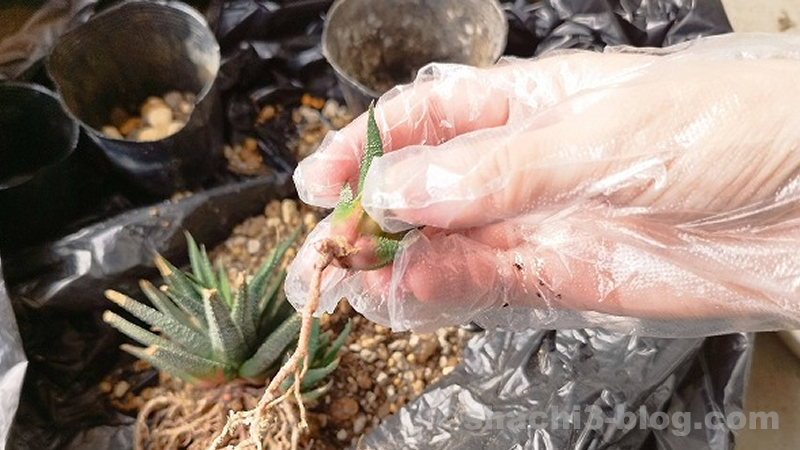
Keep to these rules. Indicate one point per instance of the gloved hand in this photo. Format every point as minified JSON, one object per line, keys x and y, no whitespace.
{"x":655,"y":191}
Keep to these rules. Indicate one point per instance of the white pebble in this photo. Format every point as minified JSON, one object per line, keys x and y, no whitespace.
{"x":150,"y":134}
{"x":359,"y":423}
{"x":253,"y":246}
{"x":341,"y":434}
{"x":174,"y":127}
{"x":111,"y":132}
{"x":158,"y":116}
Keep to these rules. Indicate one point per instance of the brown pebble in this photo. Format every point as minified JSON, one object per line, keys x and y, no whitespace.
{"x":343,"y":409}
{"x":364,"y":381}
{"x":118,"y":116}
{"x":121,"y":388}
{"x":129,"y":126}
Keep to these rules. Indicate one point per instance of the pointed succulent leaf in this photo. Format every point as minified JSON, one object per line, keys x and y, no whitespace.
{"x":168,"y":307}
{"x":322,"y":345}
{"x":314,"y":394}
{"x":134,"y":331}
{"x":159,"y":348}
{"x":227,"y":341}
{"x":176,"y":331}
{"x":313,"y":339}
{"x":178,"y":280}
{"x":242,"y":314}
{"x":201,"y":266}
{"x":190,"y":305}
{"x":373,"y":149}
{"x":149,"y":355}
{"x":272,"y":349}
{"x":261,"y":280}
{"x":333,"y":350}
{"x":312,"y":376}
{"x":223,"y":284}
{"x":283,"y":310}
{"x":346,"y":204}
{"x":195,"y":366}
{"x":271,"y":299}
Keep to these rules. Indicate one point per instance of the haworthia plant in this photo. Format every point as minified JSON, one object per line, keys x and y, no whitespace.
{"x":374,"y":247}
{"x":204,"y":332}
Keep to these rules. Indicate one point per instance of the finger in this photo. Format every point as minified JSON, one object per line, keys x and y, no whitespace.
{"x":425,"y":112}
{"x":572,"y":269}
{"x":450,"y":100}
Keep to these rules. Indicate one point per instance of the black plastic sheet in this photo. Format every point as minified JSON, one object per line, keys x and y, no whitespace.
{"x":271,"y":55}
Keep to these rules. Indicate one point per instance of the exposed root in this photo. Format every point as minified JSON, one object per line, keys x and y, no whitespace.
{"x":189,"y":418}
{"x":263,"y":428}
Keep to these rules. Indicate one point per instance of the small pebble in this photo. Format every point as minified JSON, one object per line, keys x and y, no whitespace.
{"x":174,"y":127}
{"x":253,"y":246}
{"x":341,"y":435}
{"x":173,"y":99}
{"x":112,"y":132}
{"x":359,"y":423}
{"x":343,"y":409}
{"x":121,"y":388}
{"x":158,"y":116}
{"x":129,"y":126}
{"x":151,"y":134}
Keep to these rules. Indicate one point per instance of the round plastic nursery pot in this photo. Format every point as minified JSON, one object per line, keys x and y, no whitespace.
{"x":132,"y":51}
{"x":37,"y":140}
{"x":374,"y":46}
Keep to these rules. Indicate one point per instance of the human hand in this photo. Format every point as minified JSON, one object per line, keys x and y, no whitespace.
{"x":620,"y":189}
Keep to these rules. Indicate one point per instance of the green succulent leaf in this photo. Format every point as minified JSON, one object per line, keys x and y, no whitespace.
{"x":223,"y":285}
{"x":333,"y":350}
{"x":162,"y":352}
{"x":201,"y":266}
{"x":242,"y":314}
{"x":316,"y":393}
{"x":373,"y":149}
{"x":273,"y":348}
{"x":178,"y":281}
{"x":167,"y":306}
{"x":227,"y":341}
{"x":176,"y":331}
{"x":312,"y":376}
{"x":262,"y":278}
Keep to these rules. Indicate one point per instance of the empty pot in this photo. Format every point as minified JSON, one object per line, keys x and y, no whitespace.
{"x":375,"y":45}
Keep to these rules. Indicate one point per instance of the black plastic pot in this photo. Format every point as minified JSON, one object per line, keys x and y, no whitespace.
{"x":37,"y":141}
{"x":375,"y":45}
{"x":132,"y":51}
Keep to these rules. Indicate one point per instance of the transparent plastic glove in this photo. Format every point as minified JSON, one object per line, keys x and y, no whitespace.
{"x":655,"y":191}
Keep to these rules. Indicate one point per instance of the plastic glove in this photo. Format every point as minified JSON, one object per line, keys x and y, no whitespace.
{"x":647,"y":190}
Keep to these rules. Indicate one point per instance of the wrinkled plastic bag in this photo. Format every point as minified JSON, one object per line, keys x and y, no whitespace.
{"x":12,"y":363}
{"x":541,"y":378}
{"x":58,"y":295}
{"x":555,"y":210}
{"x":21,"y":52}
